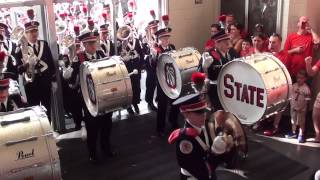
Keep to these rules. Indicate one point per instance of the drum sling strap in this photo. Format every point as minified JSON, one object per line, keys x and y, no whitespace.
{"x":206,"y":147}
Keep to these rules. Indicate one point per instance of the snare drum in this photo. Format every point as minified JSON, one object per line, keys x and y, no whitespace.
{"x":174,"y":70}
{"x":254,"y":88}
{"x":27,"y":146}
{"x":105,"y":85}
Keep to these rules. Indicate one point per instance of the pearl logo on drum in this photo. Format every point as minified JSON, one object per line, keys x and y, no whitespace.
{"x":242,"y":92}
{"x":23,"y":155}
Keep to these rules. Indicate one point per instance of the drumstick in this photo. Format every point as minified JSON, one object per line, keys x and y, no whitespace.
{"x":135,"y":71}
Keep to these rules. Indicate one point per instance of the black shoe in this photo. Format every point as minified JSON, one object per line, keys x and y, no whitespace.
{"x":93,"y":160}
{"x":152,"y":107}
{"x":130,"y":111}
{"x":136,"y":108}
{"x":110,"y":153}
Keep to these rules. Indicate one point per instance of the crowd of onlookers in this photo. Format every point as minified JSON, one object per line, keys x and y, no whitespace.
{"x":296,"y":54}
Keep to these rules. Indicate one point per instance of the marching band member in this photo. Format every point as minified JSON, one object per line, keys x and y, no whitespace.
{"x":8,"y":45}
{"x":150,"y":62}
{"x":164,"y":45}
{"x":199,"y":149}
{"x":131,"y":52}
{"x":9,"y":102}
{"x":101,"y":125}
{"x":221,"y":55}
{"x":106,"y":44}
{"x":11,"y":50}
{"x":39,"y":90}
{"x":7,"y":61}
{"x":71,"y":87}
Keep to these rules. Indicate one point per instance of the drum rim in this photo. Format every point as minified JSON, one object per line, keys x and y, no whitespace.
{"x":93,"y":109}
{"x":178,"y":76}
{"x":244,"y":59}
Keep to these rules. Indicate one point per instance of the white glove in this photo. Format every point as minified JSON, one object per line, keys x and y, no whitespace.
{"x":64,"y":51}
{"x":67,"y":73}
{"x":61,"y":63}
{"x":206,"y":61}
{"x":219,"y":146}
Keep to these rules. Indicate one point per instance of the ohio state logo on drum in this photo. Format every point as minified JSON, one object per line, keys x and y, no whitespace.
{"x":242,"y":92}
{"x":170,"y":75}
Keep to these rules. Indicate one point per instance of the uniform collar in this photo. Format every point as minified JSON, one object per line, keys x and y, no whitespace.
{"x":90,"y":55}
{"x":5,"y":103}
{"x":31,"y":44}
{"x":198,"y":129}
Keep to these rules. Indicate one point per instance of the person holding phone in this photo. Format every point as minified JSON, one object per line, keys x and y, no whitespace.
{"x":300,"y":45}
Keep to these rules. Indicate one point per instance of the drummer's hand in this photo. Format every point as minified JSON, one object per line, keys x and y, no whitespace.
{"x":229,"y":140}
{"x":67,"y":73}
{"x":308,"y":60}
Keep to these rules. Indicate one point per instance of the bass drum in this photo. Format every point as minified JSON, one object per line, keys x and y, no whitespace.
{"x":174,"y":70}
{"x":232,"y":126}
{"x":27,"y":146}
{"x":105,"y":85}
{"x":254,"y":88}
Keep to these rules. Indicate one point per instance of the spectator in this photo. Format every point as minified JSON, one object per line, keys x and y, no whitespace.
{"x":298,"y":103}
{"x":258,"y":43}
{"x":246,"y":48}
{"x":275,"y":48}
{"x":312,"y":71}
{"x":235,"y":35}
{"x":300,"y":45}
{"x":229,"y":20}
{"x":215,"y":28}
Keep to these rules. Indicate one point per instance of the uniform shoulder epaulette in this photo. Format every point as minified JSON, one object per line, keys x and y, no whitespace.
{"x":186,"y":131}
{"x":215,"y":55}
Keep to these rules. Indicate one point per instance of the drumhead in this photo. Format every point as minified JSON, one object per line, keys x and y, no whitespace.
{"x":169,"y":76}
{"x":105,"y":85}
{"x":242,"y":91}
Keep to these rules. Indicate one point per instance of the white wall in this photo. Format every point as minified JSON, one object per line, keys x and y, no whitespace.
{"x":191,"y":22}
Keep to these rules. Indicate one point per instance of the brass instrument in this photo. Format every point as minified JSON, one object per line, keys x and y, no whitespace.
{"x":69,"y":42}
{"x":152,"y":43}
{"x":28,"y":56}
{"x":124,"y":33}
{"x":61,"y":28}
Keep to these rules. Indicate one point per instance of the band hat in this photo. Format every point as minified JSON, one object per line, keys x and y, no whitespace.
{"x":104,"y":28}
{"x":5,"y":79}
{"x":220,"y":36}
{"x":4,"y":83}
{"x":89,"y":36}
{"x":190,"y":103}
{"x":163,"y":32}
{"x":32,"y":25}
{"x":3,"y":26}
{"x":153,"y":24}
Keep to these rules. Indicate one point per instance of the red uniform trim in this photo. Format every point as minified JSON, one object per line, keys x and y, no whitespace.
{"x":215,"y":55}
{"x":193,"y":107}
{"x":176,"y":134}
